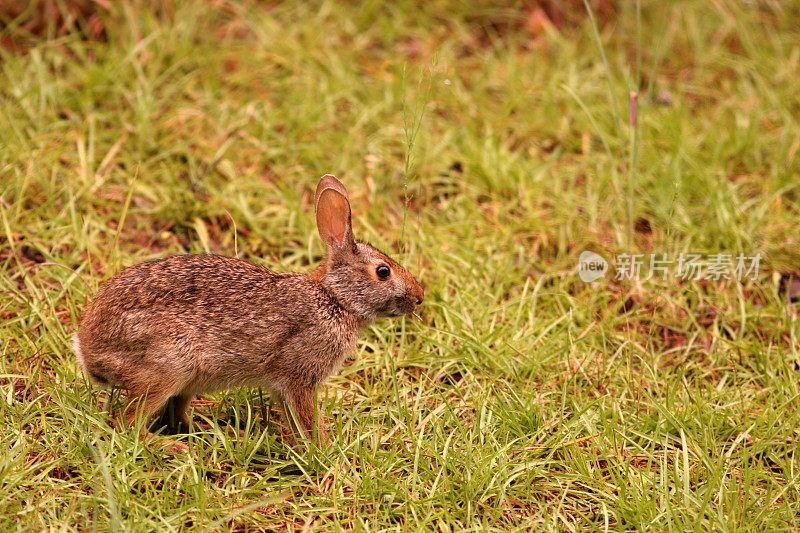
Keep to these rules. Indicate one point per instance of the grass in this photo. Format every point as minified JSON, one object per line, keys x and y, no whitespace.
{"x":523,"y":398}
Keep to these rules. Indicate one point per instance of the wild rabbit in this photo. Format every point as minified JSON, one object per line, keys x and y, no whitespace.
{"x":189,"y":324}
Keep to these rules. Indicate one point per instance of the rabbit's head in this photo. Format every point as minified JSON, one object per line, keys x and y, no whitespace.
{"x":361,"y":277}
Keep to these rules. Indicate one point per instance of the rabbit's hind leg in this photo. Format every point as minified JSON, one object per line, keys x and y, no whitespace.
{"x":148,"y":393}
{"x":174,"y":414}
{"x":163,"y":371}
{"x":149,"y":401}
{"x":173,"y":417}
{"x":145,"y":402}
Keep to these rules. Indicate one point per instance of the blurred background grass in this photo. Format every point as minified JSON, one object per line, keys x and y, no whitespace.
{"x":523,"y":398}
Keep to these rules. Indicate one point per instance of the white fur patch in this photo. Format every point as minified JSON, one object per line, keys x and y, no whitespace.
{"x":76,"y":346}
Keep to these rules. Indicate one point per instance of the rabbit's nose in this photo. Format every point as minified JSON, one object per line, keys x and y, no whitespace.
{"x":417,"y":293}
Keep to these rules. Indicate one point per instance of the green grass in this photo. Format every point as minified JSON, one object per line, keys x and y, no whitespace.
{"x":522,"y":398}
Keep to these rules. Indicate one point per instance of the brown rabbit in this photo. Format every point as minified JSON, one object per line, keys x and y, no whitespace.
{"x":189,"y":324}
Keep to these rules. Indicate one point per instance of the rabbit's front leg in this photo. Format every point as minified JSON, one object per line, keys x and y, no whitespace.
{"x":300,"y":410}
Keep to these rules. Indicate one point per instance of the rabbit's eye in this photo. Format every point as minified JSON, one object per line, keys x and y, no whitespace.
{"x":383,"y":271}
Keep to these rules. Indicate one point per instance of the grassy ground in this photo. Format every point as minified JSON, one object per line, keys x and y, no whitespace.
{"x":523,"y":397}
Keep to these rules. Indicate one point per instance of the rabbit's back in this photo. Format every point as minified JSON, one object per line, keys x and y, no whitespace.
{"x":213,"y":322}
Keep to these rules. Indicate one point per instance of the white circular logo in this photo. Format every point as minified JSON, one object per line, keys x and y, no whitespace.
{"x":591,"y":266}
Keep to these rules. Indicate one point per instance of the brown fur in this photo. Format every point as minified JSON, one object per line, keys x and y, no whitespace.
{"x":189,"y":324}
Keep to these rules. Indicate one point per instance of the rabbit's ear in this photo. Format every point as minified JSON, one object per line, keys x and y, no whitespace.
{"x":333,"y":215}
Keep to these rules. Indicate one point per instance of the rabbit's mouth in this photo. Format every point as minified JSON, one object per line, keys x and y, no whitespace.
{"x":402,"y":306}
